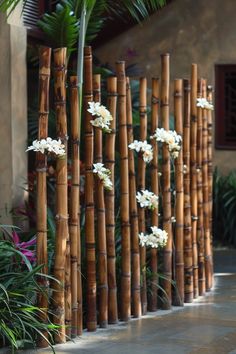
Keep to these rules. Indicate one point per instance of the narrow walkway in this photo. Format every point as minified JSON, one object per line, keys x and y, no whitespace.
{"x":208,"y":326}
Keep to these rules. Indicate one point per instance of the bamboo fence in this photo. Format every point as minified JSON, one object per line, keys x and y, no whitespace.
{"x":115,"y":285}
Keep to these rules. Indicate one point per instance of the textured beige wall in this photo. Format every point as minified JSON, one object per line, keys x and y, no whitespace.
{"x":13,"y":115}
{"x":199,"y":31}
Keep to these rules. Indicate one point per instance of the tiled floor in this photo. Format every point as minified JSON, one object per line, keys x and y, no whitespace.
{"x":208,"y":326}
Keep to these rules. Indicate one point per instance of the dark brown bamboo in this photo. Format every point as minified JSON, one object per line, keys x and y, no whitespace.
{"x":91,"y":290}
{"x":188,"y":247}
{"x":74,"y":212}
{"x":208,"y":256}
{"x":124,"y":195}
{"x":200,"y":229}
{"x":155,"y":189}
{"x":179,"y":205}
{"x":41,"y":170}
{"x":193,"y":175}
{"x":101,"y":219}
{"x":167,"y":226}
{"x":134,"y":230}
{"x":62,"y":234}
{"x":141,"y":181}
{"x":110,"y":203}
{"x":210,"y":172}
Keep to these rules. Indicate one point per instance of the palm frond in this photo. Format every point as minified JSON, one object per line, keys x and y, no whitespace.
{"x":61,"y":27}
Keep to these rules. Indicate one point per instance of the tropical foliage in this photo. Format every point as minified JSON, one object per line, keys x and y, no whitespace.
{"x":20,"y":324}
{"x":224,"y":210}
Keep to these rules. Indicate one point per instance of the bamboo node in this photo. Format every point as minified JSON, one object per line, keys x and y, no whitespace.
{"x":155,"y":100}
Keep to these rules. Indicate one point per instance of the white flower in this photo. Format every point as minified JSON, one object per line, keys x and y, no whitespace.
{"x":203,"y":103}
{"x":143,"y":239}
{"x":103,"y":174}
{"x":158,"y":238}
{"x":173,"y":219}
{"x":169,"y":137}
{"x":144,"y":147}
{"x":47,"y":146}
{"x":147,"y":199}
{"x":103,"y":116}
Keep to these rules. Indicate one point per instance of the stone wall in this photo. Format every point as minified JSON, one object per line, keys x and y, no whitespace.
{"x":191,"y":31}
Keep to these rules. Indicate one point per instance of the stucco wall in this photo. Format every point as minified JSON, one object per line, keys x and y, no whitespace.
{"x":13,"y":114}
{"x":199,"y":31}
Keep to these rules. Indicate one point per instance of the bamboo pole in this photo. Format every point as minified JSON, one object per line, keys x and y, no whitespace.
{"x":124,"y":194}
{"x":61,"y":193}
{"x":110,"y":203}
{"x":89,"y":196}
{"x":210,"y":172}
{"x":134,"y":230}
{"x":209,"y":153}
{"x":101,"y":219}
{"x":193,"y":175}
{"x":41,"y":170}
{"x":200,"y":229}
{"x":179,"y":206}
{"x":188,"y":247}
{"x":155,"y":189}
{"x":167,"y":226}
{"x":141,"y":181}
{"x":208,"y":256}
{"x":74,"y":212}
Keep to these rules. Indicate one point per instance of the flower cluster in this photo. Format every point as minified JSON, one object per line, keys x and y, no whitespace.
{"x":169,"y":137}
{"x":147,"y":199}
{"x":203,"y":103}
{"x":144,"y":147}
{"x":103,"y":116}
{"x":47,"y":146}
{"x":103,"y":174}
{"x":156,"y":239}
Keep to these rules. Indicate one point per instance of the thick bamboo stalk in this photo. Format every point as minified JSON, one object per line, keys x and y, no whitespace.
{"x":135,"y":258}
{"x":141,"y":181}
{"x":167,"y":226}
{"x":124,"y":195}
{"x":110,"y":203}
{"x":210,"y":170}
{"x":101,"y":219}
{"x":89,"y":195}
{"x":188,"y":247}
{"x":74,"y":212}
{"x":155,"y":189}
{"x":200,"y":229}
{"x":179,"y":206}
{"x":62,"y":234}
{"x":208,"y":256}
{"x":41,"y":170}
{"x":193,"y":175}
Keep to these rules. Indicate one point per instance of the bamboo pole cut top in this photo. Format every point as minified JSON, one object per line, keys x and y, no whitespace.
{"x":194,"y":91}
